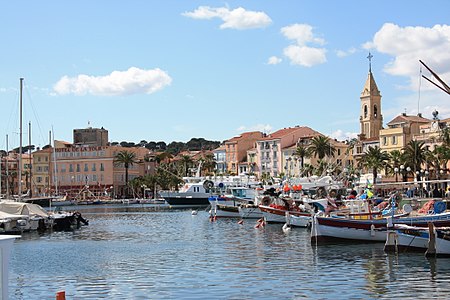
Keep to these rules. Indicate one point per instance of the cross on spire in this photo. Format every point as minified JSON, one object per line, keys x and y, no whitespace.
{"x":370,"y":61}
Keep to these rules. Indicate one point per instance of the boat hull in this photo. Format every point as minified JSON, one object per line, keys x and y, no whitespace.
{"x":330,"y":228}
{"x":226,"y":211}
{"x":187,"y":201}
{"x":250,"y":212}
{"x":275,"y":215}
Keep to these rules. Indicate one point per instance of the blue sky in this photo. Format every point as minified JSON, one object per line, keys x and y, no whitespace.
{"x":173,"y":70}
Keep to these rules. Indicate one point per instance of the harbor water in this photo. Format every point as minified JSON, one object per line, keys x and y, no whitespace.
{"x":148,"y":252}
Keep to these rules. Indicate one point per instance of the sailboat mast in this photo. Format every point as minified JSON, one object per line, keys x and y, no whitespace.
{"x":20,"y":141}
{"x":30,"y":165}
{"x":7,"y":168}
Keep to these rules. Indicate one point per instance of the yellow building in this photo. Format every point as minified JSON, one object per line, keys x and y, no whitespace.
{"x":401,"y":130}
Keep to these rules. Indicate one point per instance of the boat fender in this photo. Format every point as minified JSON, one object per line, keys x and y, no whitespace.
{"x":372,"y":230}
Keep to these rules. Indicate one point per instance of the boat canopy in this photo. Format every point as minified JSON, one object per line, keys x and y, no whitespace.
{"x":20,"y":208}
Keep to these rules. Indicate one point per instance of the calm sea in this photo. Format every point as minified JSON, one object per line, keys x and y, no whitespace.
{"x":141,"y":252}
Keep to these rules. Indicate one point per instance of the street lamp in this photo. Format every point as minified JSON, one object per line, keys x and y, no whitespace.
{"x":396,"y":174}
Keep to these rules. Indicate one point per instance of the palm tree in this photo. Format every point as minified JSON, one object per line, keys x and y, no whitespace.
{"x":441,"y":156}
{"x":445,"y":135}
{"x":416,"y":154}
{"x":127,"y":159}
{"x":302,"y":152}
{"x":307,"y":170}
{"x":374,"y":159}
{"x":186,"y":161}
{"x":396,"y":159}
{"x":209,"y":163}
{"x":321,"y":147}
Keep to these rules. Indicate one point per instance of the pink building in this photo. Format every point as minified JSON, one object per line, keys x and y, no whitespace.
{"x":236,"y":149}
{"x":93,"y":167}
{"x":269,"y":148}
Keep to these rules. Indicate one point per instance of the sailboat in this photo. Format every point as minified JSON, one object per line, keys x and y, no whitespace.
{"x":31,"y":207}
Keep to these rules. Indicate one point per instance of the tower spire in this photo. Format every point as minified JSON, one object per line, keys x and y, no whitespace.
{"x":370,"y":61}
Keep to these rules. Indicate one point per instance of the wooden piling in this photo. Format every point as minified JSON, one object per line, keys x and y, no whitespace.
{"x":431,"y":251}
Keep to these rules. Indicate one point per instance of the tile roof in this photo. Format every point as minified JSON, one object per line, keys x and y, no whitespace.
{"x":242,"y":136}
{"x":411,"y":119}
{"x":305,"y":131}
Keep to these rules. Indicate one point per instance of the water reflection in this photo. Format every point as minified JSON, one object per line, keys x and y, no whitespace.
{"x":147,"y":252}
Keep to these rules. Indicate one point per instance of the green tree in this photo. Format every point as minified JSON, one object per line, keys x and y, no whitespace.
{"x":321,"y":147}
{"x":302,"y":152}
{"x":445,"y":136}
{"x":186,"y":161}
{"x":416,"y":155}
{"x":127,"y":159}
{"x":374,"y":159}
{"x":209,"y":163}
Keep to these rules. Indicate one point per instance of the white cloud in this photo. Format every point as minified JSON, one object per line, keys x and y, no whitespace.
{"x":305,"y":56}
{"x":344,"y":53}
{"x":266,"y":128}
{"x":343,"y":136}
{"x":132,"y":81}
{"x":238,"y":18}
{"x":302,"y":53}
{"x":409,"y":44}
{"x":302,"y":34}
{"x":273,"y":60}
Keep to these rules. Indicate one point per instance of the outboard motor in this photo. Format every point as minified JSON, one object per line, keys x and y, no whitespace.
{"x":21,"y":224}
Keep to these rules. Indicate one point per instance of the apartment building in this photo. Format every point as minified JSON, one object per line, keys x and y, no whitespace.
{"x":269,"y":149}
{"x":236,"y":149}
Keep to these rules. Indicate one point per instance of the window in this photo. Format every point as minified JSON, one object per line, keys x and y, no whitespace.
{"x":375,"y":111}
{"x":102,"y":168}
{"x":365,"y":111}
{"x":86,"y":167}
{"x":385,"y":140}
{"x":70,"y":168}
{"x":94,"y":168}
{"x":78,"y":168}
{"x":394,"y":140}
{"x":339,"y":151}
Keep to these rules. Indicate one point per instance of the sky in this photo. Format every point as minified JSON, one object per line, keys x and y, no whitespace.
{"x":175,"y":70}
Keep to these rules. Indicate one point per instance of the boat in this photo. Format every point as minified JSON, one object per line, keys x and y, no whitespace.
{"x":297,"y":220}
{"x":369,"y":226}
{"x":227,"y":204}
{"x":433,"y":241}
{"x":250,"y":211}
{"x":195,"y":191}
{"x":274,"y":213}
{"x":404,"y":238}
{"x":37,"y":217}
{"x":10,"y":224}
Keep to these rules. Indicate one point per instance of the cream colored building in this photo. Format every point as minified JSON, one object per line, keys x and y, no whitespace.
{"x":401,"y":130}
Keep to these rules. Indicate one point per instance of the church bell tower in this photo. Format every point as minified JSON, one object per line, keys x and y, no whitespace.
{"x":370,"y":118}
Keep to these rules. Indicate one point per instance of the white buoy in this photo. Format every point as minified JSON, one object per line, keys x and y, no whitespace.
{"x":286,"y":228}
{"x":194,"y":212}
